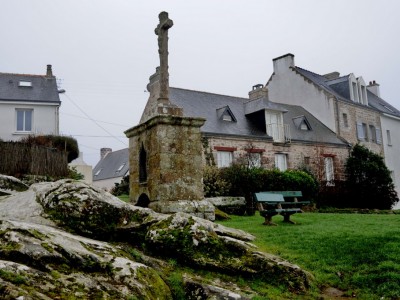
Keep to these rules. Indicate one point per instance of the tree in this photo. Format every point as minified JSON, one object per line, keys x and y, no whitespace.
{"x":369,"y":182}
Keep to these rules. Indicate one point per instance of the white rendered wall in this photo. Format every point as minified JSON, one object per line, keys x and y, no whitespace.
{"x":392,"y":151}
{"x":44,"y":120}
{"x":288,"y":87}
{"x":107,"y":184}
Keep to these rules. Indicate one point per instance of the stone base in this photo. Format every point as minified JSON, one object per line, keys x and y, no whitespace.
{"x":202,"y":209}
{"x":229,"y":205}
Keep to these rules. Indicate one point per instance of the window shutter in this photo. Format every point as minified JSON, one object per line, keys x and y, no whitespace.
{"x":378,"y":135}
{"x":360,"y":131}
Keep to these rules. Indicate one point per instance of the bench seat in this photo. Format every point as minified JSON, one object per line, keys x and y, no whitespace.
{"x":273,"y":203}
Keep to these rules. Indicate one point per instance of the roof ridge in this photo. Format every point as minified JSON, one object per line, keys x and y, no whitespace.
{"x":18,"y":74}
{"x":210,"y":93}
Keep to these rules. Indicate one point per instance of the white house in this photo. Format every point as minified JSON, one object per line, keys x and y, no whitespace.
{"x":346,"y":104}
{"x":29,"y":104}
{"x":112,"y":167}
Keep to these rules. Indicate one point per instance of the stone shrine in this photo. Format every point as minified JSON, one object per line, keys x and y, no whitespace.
{"x":165,"y":149}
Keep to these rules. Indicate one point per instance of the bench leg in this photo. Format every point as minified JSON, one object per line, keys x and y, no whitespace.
{"x":286,"y":218}
{"x":268,"y":220}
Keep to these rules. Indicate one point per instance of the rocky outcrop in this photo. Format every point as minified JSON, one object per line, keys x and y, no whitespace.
{"x":34,"y":240}
{"x":9,"y":185}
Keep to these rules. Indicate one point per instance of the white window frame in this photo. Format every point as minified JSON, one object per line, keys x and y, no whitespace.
{"x":329,"y":169}
{"x":224,"y":159}
{"x":23,"y":113}
{"x":281,"y":161}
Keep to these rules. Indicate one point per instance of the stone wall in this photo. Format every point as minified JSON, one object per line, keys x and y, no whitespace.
{"x":298,"y":155}
{"x":173,"y":159}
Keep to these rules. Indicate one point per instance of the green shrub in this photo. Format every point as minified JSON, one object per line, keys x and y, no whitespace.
{"x":214,"y":185}
{"x":121,"y":188}
{"x":243,"y":181}
{"x":61,"y":143}
{"x":369,"y":181}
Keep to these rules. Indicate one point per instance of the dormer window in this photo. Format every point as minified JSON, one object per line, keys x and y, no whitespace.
{"x":226,"y":114}
{"x":302,"y":123}
{"x":25,"y":84}
{"x":120,"y":168}
{"x":358,"y":90}
{"x":353,"y":88}
{"x":362,"y":91}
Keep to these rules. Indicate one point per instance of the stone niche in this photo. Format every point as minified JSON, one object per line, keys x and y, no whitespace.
{"x":166,"y":165}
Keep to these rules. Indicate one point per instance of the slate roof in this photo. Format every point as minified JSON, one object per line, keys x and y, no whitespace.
{"x":42,"y":89}
{"x":109,"y":165}
{"x":339,"y":87}
{"x":207,"y":105}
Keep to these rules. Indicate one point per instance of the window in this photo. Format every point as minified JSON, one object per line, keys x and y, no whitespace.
{"x":378,"y":135}
{"x":280,"y":161}
{"x":24,"y":119}
{"x":227,"y":117}
{"x":345,"y":120}
{"x":355,"y":92}
{"x":372,"y":133}
{"x":120,"y":167}
{"x":254,"y":159}
{"x":224,"y":158}
{"x":142,"y":165}
{"x":389,"y":138}
{"x":329,"y":172}
{"x":306,"y":160}
{"x":25,"y":84}
{"x":362,"y":133}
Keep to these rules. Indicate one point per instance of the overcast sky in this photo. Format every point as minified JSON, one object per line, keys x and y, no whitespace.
{"x":103,"y":51}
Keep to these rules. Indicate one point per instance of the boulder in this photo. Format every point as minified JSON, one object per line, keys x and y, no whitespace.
{"x":229,"y":205}
{"x":54,"y":263}
{"x":33,"y":238}
{"x":9,"y":185}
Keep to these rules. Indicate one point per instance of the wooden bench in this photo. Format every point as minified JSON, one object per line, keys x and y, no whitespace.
{"x":270,"y":204}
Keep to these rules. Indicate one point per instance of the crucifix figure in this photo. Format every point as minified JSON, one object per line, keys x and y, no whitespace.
{"x":162,"y":32}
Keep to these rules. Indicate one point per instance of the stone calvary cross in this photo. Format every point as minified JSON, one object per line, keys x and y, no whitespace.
{"x":162,"y":32}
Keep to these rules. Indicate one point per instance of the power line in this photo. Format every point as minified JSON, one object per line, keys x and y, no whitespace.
{"x":76,"y":116}
{"x":94,"y":121}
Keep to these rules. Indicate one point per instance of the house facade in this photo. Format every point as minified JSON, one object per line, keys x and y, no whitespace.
{"x":111,"y":168}
{"x":29,"y":104}
{"x":259,"y":132}
{"x":349,"y":107}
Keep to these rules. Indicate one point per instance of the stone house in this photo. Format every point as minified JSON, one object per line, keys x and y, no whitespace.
{"x":349,"y":107}
{"x":29,"y":104}
{"x":111,"y":168}
{"x":260,"y":132}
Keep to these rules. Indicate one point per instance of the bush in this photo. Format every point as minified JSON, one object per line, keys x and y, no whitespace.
{"x":121,"y":188}
{"x":61,"y":143}
{"x":214,"y":185}
{"x":369,"y":181}
{"x":239,"y":180}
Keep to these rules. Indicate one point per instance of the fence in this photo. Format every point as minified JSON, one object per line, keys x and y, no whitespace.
{"x":18,"y":158}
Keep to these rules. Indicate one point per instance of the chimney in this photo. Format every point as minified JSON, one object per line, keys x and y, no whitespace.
{"x":332,"y":75}
{"x":258,"y":91}
{"x":49,"y":72}
{"x":373,"y":87}
{"x":104,"y":152}
{"x":283,"y":63}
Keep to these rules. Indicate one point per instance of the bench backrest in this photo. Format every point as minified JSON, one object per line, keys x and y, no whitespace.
{"x":269,"y":197}
{"x":286,"y":193}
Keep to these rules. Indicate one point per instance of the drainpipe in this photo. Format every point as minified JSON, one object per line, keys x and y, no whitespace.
{"x":337,"y":116}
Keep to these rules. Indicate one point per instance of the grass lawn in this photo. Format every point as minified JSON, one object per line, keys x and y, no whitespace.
{"x":356,"y":253}
{"x":124,"y":197}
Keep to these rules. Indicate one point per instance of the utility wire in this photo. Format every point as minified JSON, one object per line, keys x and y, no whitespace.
{"x":76,"y":116}
{"x":94,"y":121}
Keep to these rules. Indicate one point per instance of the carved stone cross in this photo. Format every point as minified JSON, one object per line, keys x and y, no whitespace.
{"x":162,"y":32}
